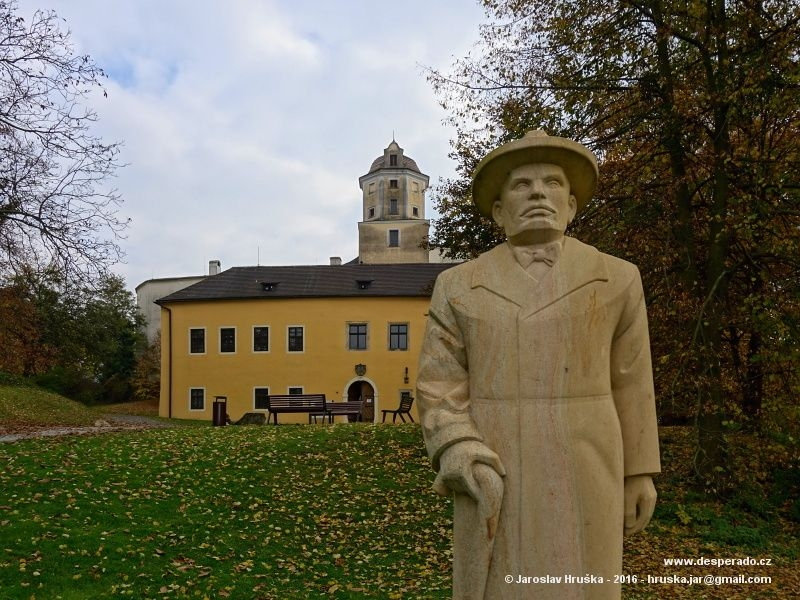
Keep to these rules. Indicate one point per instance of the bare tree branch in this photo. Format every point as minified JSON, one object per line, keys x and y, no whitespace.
{"x":56,"y":207}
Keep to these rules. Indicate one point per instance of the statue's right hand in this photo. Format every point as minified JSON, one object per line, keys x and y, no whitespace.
{"x":456,"y":468}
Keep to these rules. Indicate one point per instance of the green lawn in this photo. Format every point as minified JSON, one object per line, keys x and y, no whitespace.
{"x":342,"y":511}
{"x":257,"y":512}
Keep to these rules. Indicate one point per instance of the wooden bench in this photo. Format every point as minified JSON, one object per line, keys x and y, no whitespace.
{"x":348,"y":408}
{"x":295,"y":403}
{"x":406,"y":400}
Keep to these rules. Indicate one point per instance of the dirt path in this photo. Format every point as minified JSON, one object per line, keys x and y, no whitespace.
{"x":105,"y":424}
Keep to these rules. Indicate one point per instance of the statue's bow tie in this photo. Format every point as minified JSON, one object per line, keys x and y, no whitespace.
{"x":548,"y":255}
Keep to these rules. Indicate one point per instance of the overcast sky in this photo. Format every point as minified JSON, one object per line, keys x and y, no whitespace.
{"x":247,"y":123}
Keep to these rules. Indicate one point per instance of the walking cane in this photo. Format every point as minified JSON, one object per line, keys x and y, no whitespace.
{"x":469,"y":583}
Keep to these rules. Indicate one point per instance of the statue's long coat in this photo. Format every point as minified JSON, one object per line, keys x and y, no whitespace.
{"x":555,"y":376}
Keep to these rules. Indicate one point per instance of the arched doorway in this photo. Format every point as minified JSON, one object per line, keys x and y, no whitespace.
{"x":360,"y":390}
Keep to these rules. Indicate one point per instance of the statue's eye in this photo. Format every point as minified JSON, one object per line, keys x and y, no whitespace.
{"x":521,"y":186}
{"x":553,"y":183}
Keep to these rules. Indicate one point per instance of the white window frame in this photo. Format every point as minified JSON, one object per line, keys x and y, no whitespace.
{"x":366,"y":336}
{"x":235,"y":340}
{"x":408,"y":337}
{"x":205,"y":341}
{"x":253,"y":339}
{"x":191,"y":389}
{"x":288,"y":327}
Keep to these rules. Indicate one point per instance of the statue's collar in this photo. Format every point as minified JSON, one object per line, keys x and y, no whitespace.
{"x":500,"y":273}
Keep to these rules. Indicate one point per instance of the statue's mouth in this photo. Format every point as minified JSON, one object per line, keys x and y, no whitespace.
{"x":538,"y":211}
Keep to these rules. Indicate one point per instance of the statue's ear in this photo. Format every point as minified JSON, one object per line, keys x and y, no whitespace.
{"x":497,"y":212}
{"x":573,"y":208}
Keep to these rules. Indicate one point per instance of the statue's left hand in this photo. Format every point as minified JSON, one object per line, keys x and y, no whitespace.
{"x":457,"y":468}
{"x":640,"y":501}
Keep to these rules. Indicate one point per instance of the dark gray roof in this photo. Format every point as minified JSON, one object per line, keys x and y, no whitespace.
{"x":314,"y":281}
{"x":405,"y":163}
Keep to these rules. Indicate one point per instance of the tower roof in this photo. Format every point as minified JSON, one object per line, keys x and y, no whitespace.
{"x":384,"y":160}
{"x":406,"y":163}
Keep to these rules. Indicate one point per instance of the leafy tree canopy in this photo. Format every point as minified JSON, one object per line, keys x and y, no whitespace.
{"x":692,"y":109}
{"x":81,"y":341}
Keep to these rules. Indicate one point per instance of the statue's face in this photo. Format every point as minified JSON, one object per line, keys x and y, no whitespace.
{"x":535,"y":203}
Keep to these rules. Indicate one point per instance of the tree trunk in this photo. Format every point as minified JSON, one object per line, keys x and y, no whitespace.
{"x":753,"y":396}
{"x":710,"y":451}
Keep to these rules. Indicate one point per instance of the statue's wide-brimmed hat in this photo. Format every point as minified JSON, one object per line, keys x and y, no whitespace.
{"x":578,"y":162}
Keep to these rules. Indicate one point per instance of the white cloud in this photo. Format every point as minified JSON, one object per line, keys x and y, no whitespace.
{"x":247,"y":123}
{"x":264,"y":34}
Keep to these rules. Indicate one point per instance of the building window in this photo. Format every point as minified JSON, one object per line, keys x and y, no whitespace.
{"x":295,"y":339}
{"x":393,"y":206}
{"x":197,"y":341}
{"x":415,"y":211}
{"x":227,"y":339}
{"x":394,"y":238}
{"x":372,"y":188}
{"x":197,"y":399}
{"x":296,"y":391}
{"x":260,"y":398}
{"x":398,"y":336}
{"x":371,"y":212}
{"x":261,"y":338}
{"x":357,"y":336}
{"x":393,"y":184}
{"x":393,"y":160}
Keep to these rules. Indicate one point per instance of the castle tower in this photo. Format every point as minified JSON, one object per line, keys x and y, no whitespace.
{"x":394,"y":223}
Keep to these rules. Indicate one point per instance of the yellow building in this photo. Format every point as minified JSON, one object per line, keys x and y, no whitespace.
{"x":346,"y":331}
{"x":350,"y":331}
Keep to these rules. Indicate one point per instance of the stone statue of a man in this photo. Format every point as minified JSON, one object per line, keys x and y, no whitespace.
{"x":535,"y":389}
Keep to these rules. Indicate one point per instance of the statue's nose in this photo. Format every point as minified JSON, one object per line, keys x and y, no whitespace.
{"x":537,"y":189}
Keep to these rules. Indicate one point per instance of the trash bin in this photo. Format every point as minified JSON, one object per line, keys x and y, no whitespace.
{"x":220,"y":411}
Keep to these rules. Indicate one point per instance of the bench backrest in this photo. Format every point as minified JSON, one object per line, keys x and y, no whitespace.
{"x":406,"y":400}
{"x":348,"y":403}
{"x":312,"y":401}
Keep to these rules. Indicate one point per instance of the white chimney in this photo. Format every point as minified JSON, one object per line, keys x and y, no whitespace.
{"x":336,"y":261}
{"x":214,"y":267}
